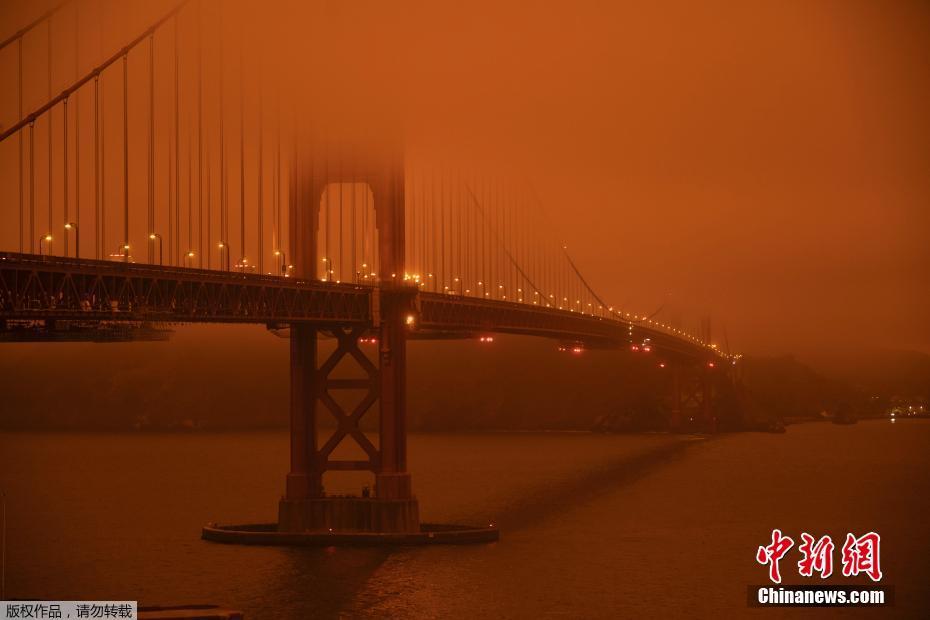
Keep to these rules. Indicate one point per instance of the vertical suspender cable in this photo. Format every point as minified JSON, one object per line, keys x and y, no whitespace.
{"x":151,"y":168}
{"x":275,"y":249}
{"x":241,"y":152}
{"x":354,"y":267}
{"x":463,"y":238}
{"x":177,"y":146}
{"x":442,"y":230}
{"x":454,"y":232}
{"x":103,"y":176}
{"x":200,"y":243}
{"x":473,"y":229}
{"x":22,"y":213}
{"x":77,"y":134}
{"x":49,"y":23}
{"x":190,"y":200}
{"x":277,"y":201}
{"x":64,"y":194}
{"x":327,"y":257}
{"x":224,"y":220}
{"x":341,"y":261}
{"x":97,"y":165}
{"x":126,"y":157}
{"x":261,"y":175}
{"x":364,"y":249}
{"x":77,"y":173}
{"x":32,"y":187}
{"x":206,"y":249}
{"x":429,"y":225}
{"x":425,"y":205}
{"x":206,"y":158}
{"x":498,"y":255}
{"x":413,"y":263}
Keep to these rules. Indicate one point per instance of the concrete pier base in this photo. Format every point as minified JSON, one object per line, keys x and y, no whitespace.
{"x":428,"y":534}
{"x":349,"y":514}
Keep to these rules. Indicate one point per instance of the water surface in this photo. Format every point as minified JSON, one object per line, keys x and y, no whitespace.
{"x":592,"y":525}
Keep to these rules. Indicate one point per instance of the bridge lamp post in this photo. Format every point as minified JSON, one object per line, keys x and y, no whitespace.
{"x":279,"y":253}
{"x":224,"y":252}
{"x":157,"y":237}
{"x":123,"y":250}
{"x":329,"y":268}
{"x":500,"y":291}
{"x":77,"y":238}
{"x":188,"y":258}
{"x":46,"y":237}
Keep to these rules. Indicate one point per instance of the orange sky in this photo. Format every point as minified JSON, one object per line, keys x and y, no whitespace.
{"x":762,"y":162}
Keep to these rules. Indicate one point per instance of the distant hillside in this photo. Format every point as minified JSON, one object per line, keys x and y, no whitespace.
{"x":784,"y":387}
{"x":882,"y":372}
{"x":226,"y":377}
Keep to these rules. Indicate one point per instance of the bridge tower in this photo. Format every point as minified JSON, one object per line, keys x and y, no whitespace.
{"x":693,"y":395}
{"x":305,"y":505}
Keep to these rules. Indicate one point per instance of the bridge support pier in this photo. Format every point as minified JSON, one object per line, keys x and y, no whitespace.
{"x":304,"y":480}
{"x":305,"y":506}
{"x":692,"y":398}
{"x":393,"y":507}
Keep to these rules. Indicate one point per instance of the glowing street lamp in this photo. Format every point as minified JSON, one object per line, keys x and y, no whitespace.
{"x":224,"y":252}
{"x":188,"y":258}
{"x":77,"y":238}
{"x":329,"y":268}
{"x":280,"y":254}
{"x":156,"y":237}
{"x":48,"y":238}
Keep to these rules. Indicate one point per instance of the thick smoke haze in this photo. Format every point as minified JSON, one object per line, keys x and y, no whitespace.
{"x":762,"y":163}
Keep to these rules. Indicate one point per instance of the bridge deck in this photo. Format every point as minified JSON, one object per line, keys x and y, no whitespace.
{"x":46,"y":288}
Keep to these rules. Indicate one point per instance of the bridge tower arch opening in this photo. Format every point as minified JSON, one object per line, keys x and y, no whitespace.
{"x":392,"y":506}
{"x":347,"y":233}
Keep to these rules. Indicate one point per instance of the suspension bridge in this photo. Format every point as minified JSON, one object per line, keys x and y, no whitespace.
{"x":171,"y":180}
